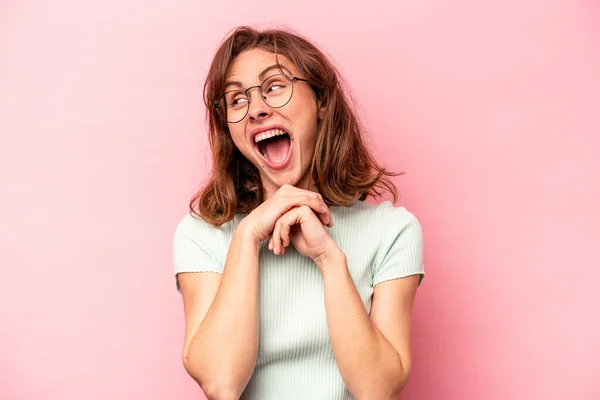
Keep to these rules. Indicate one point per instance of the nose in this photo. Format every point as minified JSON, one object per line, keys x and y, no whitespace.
{"x":257,"y":108}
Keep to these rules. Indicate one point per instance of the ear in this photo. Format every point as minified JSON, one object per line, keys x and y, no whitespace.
{"x":321,"y":106}
{"x":320,"y":112}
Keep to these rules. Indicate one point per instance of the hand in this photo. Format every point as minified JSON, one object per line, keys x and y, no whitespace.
{"x":261,"y":221}
{"x":301,"y":227}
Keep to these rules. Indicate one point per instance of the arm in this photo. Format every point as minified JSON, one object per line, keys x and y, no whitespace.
{"x":221,"y":313}
{"x":372,"y":353}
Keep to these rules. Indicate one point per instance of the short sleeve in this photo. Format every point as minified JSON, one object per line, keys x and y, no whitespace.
{"x":401,"y":251}
{"x":194,"y":247}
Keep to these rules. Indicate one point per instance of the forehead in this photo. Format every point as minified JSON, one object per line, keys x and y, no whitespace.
{"x":250,"y":63}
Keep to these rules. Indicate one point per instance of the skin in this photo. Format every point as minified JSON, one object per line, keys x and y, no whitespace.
{"x":221,"y":311}
{"x":299,"y":116}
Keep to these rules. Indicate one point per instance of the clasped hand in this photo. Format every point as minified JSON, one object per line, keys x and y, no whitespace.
{"x":295,"y":216}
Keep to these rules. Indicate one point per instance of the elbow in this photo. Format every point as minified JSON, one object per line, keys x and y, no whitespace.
{"x":387,"y":389}
{"x":400,"y":381}
{"x":217,"y":392}
{"x":214,"y":388}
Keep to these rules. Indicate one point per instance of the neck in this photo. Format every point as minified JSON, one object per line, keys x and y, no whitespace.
{"x":305,"y":183}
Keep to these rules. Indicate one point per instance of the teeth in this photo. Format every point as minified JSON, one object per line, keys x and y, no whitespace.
{"x":268,"y":134}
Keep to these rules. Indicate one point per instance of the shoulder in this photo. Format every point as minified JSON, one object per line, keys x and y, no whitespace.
{"x":192,"y":227}
{"x":378,"y":225}
{"x":398,"y":220}
{"x":388,"y":226}
{"x":400,"y":249}
{"x":379,"y":215}
{"x":397,"y":214}
{"x":199,"y":246}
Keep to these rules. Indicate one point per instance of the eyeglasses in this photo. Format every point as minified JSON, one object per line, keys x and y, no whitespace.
{"x":276,"y":91}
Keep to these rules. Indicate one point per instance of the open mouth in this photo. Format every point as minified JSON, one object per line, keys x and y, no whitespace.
{"x":274,"y":146}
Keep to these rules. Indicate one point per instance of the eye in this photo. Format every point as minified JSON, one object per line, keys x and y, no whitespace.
{"x":236,"y":100}
{"x":274,"y":85}
{"x":239,"y":100}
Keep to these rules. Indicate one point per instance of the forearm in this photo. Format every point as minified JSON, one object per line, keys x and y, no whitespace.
{"x":368,"y":363}
{"x":223,"y":351}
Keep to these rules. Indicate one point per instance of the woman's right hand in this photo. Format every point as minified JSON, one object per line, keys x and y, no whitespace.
{"x":261,"y":221}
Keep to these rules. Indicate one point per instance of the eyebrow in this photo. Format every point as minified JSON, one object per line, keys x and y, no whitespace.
{"x":280,"y":67}
{"x":261,"y":76}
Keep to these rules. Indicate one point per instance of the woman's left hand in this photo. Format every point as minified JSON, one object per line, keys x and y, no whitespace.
{"x":301,"y":227}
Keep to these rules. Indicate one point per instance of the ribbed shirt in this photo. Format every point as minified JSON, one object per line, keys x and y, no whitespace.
{"x":295,"y":358}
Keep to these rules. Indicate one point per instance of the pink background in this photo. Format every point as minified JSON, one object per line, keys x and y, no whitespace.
{"x":491,"y":107}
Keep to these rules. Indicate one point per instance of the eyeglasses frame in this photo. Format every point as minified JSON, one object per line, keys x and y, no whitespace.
{"x":291,"y":79}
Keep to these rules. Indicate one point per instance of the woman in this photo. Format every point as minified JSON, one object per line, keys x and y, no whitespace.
{"x":293,"y":287}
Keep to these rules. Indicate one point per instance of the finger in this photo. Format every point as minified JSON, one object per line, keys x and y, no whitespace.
{"x":270,"y":247}
{"x":290,"y":196}
{"x":276,"y":238}
{"x":325,"y":215}
{"x":317,"y":204}
{"x":289,"y":219}
{"x":325,"y":218}
{"x":284,"y":232}
{"x":321,"y":210}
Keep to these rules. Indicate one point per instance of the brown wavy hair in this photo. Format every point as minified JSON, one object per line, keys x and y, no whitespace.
{"x":342,"y":167}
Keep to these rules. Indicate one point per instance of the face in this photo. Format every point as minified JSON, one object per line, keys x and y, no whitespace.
{"x":280,"y":142}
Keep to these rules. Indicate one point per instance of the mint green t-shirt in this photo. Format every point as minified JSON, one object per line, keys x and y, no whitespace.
{"x":295,"y":358}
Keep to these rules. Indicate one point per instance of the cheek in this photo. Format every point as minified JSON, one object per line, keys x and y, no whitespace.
{"x":238,"y":138}
{"x":304,"y":114}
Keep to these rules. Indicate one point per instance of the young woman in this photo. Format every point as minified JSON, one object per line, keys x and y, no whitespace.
{"x":293,"y":286}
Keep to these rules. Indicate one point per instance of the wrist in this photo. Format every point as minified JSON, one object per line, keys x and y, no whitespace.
{"x":245,"y":233}
{"x":332,"y":259}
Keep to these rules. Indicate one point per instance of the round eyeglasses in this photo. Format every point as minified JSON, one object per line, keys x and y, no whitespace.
{"x":276,"y":91}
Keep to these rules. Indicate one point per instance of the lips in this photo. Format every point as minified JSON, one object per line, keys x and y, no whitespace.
{"x":273,"y":144}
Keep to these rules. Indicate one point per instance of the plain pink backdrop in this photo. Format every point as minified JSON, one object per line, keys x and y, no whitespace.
{"x":491,"y":108}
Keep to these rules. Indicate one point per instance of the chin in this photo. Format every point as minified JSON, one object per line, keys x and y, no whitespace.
{"x":286,"y":178}
{"x":273,"y":180}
